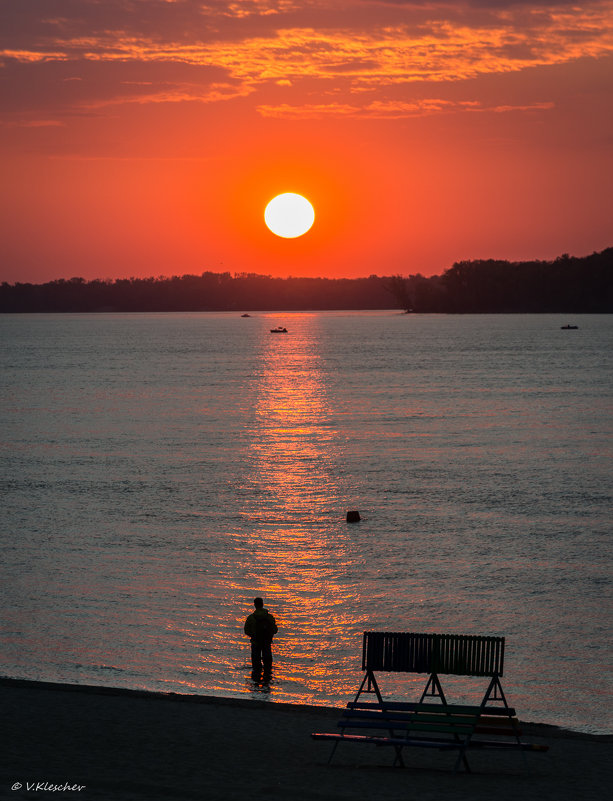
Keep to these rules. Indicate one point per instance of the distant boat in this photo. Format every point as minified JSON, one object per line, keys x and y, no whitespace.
{"x":278,"y":330}
{"x":245,"y":315}
{"x":568,"y":327}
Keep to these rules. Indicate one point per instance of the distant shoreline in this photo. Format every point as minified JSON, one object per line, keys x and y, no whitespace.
{"x":567,"y":285}
{"x":311,"y":310}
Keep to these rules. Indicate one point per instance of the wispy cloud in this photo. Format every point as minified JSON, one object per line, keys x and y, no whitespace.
{"x":257,"y":45}
{"x":25,"y":123}
{"x":392,"y":110}
{"x":213,"y":93}
{"x":442,"y":49}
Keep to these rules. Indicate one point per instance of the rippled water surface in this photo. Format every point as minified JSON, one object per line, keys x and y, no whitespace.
{"x":159,"y":471}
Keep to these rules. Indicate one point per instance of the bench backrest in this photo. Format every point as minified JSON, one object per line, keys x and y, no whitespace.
{"x":433,"y":653}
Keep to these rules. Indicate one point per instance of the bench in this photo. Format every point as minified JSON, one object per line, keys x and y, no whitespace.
{"x":491,"y":724}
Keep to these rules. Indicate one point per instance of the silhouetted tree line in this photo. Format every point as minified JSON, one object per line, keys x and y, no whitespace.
{"x":567,"y":284}
{"x":206,"y":292}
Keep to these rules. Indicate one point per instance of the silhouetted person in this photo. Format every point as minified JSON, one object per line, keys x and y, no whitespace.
{"x":261,"y":627}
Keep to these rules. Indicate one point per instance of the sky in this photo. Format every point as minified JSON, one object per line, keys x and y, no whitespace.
{"x":145,"y":137}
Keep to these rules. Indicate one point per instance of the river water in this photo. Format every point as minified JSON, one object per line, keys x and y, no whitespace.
{"x":160,"y":470}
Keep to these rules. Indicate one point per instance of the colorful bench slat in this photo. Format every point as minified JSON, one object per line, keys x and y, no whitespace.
{"x":462,"y":727}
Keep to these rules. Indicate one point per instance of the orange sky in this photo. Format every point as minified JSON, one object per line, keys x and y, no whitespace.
{"x":145,"y":137}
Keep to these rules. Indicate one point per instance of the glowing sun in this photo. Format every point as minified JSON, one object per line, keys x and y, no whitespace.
{"x":289,"y":215}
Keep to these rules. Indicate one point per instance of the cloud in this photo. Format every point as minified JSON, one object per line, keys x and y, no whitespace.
{"x":214,"y":93}
{"x":393,"y":109}
{"x":442,"y":51}
{"x":70,"y":86}
{"x":249,"y":8}
{"x":254,"y":45}
{"x":25,"y":123}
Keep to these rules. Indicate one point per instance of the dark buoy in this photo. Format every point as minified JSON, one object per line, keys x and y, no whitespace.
{"x":353,"y":517}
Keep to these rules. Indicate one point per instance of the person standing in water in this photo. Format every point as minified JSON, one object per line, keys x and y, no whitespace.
{"x":261,"y":627}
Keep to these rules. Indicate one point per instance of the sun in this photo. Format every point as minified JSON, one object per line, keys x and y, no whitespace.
{"x":289,"y":215}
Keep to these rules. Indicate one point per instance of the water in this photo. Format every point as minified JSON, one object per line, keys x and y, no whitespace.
{"x":158,"y":471}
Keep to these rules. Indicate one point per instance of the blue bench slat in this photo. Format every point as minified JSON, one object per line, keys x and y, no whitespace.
{"x":479,"y":726}
{"x":453,"y":728}
{"x":461,"y":727}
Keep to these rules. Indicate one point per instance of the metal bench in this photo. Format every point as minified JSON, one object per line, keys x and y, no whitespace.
{"x":490,"y":724}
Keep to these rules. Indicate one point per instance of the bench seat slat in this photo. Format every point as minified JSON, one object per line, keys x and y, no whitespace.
{"x":507,"y":744}
{"x":409,"y":706}
{"x":471,"y":745}
{"x":485,"y":720}
{"x":410,"y":718}
{"x":501,"y":732}
{"x":429,"y":743}
{"x":374,"y":740}
{"x":479,"y":720}
{"x":428,"y":723}
{"x":460,"y":729}
{"x":491,"y":730}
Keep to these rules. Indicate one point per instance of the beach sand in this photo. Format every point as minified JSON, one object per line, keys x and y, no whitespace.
{"x":123,"y":745}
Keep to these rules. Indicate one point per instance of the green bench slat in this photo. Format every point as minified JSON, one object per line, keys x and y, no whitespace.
{"x":494,"y":729}
{"x":478,"y":725}
{"x":460,"y":729}
{"x":410,"y":706}
{"x":395,"y":723}
{"x":496,"y":718}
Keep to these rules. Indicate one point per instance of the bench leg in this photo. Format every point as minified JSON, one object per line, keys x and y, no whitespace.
{"x":336,"y":742}
{"x":495,"y":693}
{"x":398,"y":760}
{"x":462,"y":758}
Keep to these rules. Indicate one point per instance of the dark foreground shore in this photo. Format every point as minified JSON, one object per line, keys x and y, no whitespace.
{"x":135,"y":746}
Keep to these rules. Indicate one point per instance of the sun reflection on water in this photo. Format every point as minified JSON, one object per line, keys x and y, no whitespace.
{"x":293,"y":546}
{"x":292,"y":439}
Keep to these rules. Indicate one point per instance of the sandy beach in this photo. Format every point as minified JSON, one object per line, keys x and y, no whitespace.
{"x":123,"y":745}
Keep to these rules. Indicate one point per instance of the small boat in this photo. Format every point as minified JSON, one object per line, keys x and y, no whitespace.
{"x":278,"y":330}
{"x":245,"y":315}
{"x":568,"y":327}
